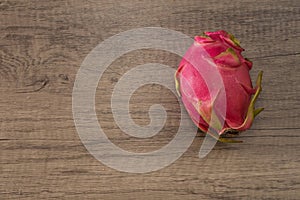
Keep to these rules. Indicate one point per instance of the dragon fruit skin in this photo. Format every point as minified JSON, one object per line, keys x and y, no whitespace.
{"x":224,"y":51}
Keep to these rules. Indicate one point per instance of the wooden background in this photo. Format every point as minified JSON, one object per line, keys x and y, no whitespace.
{"x":43,"y":43}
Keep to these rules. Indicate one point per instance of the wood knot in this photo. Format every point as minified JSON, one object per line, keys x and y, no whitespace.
{"x":35,"y":86}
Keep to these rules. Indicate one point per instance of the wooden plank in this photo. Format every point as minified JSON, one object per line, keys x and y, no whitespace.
{"x":266,"y":165}
{"x":42,"y":46}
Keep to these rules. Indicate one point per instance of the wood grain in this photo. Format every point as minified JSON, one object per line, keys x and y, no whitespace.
{"x":43,"y":43}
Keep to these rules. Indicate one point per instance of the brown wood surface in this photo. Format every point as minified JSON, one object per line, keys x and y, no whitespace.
{"x":43,"y":43}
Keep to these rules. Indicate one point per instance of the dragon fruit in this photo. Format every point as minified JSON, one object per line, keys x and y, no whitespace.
{"x":221,"y":51}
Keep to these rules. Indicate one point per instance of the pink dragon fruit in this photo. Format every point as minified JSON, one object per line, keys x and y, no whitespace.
{"x":223,"y":52}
